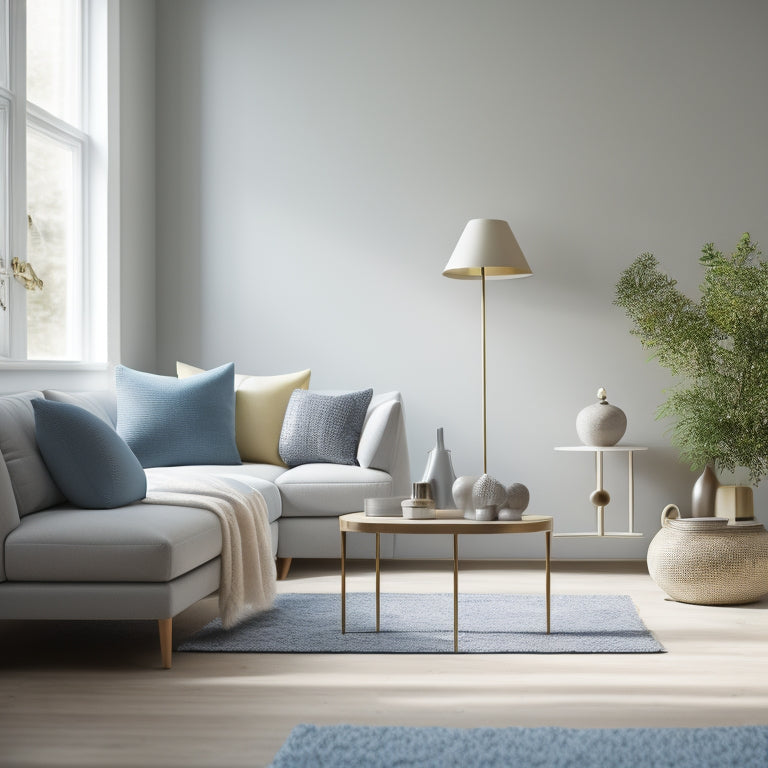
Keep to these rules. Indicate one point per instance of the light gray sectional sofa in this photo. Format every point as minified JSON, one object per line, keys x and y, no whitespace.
{"x":149,"y":561}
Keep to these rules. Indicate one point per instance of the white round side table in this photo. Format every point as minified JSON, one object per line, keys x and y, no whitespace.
{"x":600,"y":497}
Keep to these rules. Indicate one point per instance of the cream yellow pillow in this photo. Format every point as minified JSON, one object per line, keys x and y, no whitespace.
{"x":260,"y":403}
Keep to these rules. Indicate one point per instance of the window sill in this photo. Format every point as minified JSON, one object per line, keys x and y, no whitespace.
{"x":51,"y":365}
{"x":69,"y":375}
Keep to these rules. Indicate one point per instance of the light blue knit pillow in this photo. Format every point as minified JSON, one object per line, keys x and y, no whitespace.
{"x":171,"y":422}
{"x":323,"y":428}
{"x":89,"y":462}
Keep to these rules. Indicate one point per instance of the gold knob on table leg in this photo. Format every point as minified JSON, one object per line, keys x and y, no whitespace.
{"x":600,"y":497}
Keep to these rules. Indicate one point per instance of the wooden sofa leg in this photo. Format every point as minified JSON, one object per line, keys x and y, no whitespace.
{"x":283,"y":566}
{"x":166,"y":634}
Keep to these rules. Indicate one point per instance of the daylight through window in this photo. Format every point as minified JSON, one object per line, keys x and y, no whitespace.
{"x":48,"y":276}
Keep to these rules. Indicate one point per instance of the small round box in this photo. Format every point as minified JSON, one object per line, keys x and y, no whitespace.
{"x":419,"y":509}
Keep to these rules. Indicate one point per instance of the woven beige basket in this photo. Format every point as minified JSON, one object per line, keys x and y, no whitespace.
{"x":707,"y":561}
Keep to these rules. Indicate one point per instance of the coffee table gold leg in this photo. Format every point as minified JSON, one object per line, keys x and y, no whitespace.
{"x":548,"y":535}
{"x":378,"y":579}
{"x":455,"y":593}
{"x":343,"y":582}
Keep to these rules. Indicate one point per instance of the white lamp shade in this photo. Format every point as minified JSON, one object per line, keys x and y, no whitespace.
{"x":487,"y":245}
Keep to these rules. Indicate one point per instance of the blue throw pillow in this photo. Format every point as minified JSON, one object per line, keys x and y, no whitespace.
{"x":323,"y":428}
{"x":171,"y":422}
{"x":88,"y":460}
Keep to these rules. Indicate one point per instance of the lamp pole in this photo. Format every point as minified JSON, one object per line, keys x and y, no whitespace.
{"x":485,"y":394}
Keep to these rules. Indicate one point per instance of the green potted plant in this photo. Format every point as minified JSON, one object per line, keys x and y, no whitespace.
{"x":716,"y":348}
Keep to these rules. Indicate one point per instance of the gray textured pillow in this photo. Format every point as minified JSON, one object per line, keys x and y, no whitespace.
{"x":323,"y":428}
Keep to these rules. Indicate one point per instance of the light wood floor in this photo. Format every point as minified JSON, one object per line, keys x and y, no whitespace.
{"x":92,"y":694}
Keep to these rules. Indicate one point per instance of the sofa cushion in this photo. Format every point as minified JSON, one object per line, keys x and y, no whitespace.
{"x":260,"y":403}
{"x":33,"y":486}
{"x":323,"y":428}
{"x":259,"y":477}
{"x":140,"y":542}
{"x":100,"y":402}
{"x":321,"y":490}
{"x":378,"y":441}
{"x":92,"y":465}
{"x":168,"y":421}
{"x":269,"y":491}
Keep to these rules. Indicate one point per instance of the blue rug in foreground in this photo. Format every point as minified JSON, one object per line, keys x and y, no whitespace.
{"x":423,"y":623}
{"x":350,"y":746}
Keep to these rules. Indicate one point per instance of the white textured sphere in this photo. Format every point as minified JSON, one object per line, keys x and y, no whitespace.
{"x":462,"y":491}
{"x":518,"y":497}
{"x":601,"y":424}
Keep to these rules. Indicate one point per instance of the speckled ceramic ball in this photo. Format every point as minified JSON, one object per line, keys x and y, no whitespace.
{"x":601,"y":423}
{"x":488,"y":492}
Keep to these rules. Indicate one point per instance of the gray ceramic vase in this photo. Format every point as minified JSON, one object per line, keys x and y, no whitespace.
{"x":704,"y":492}
{"x":440,"y":475}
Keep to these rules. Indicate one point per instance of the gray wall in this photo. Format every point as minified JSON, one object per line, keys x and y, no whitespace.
{"x":137,"y":188}
{"x":317,"y":161}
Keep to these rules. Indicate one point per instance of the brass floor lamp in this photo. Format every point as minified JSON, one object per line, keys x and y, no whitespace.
{"x":487,"y":250}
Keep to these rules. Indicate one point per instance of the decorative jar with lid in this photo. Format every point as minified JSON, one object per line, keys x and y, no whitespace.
{"x":601,"y":424}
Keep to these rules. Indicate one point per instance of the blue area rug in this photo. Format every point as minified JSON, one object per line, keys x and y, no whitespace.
{"x":349,"y":746}
{"x":423,"y":623}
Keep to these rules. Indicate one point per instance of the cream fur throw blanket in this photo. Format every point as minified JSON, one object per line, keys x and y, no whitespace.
{"x":247,"y":583}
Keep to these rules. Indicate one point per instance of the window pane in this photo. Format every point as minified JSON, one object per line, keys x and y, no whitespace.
{"x":53,"y":57}
{"x":51,"y":234}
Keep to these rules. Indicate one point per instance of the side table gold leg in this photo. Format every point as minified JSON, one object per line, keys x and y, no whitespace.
{"x":548,"y":535}
{"x":455,"y":593}
{"x":378,"y":579}
{"x":631,"y":500}
{"x":343,"y":582}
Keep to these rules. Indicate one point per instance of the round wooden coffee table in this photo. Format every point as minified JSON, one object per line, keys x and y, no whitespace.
{"x":446,"y":522}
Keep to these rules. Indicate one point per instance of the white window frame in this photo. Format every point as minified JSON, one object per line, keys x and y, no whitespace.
{"x":5,"y":239}
{"x":95,"y":338}
{"x":7,"y":174}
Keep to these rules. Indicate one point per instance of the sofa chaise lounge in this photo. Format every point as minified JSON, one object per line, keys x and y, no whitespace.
{"x":142,"y":561}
